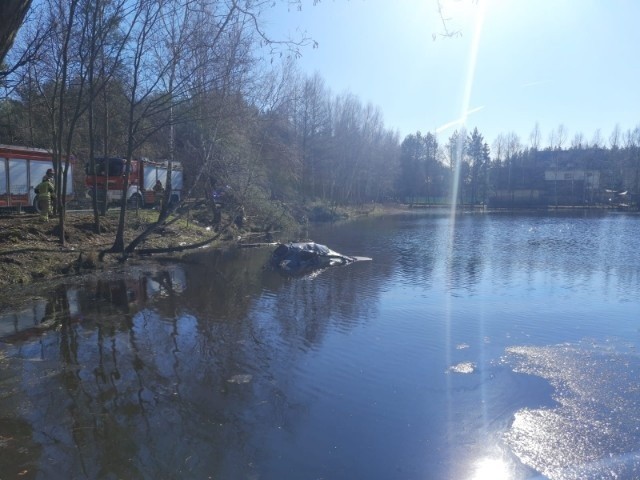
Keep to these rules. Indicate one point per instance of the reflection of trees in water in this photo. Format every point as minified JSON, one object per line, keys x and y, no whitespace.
{"x":135,"y":392}
{"x":573,"y":248}
{"x":115,"y":297}
{"x":151,"y":382}
{"x":516,"y":249}
{"x":223,"y":284}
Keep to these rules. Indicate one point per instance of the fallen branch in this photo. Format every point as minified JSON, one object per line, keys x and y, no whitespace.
{"x":180,"y":248}
{"x":151,"y":251}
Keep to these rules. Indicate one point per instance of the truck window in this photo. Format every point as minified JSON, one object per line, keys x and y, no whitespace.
{"x":100,"y":170}
{"x":116,"y":167}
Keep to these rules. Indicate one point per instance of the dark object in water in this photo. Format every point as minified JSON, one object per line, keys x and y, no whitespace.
{"x":304,"y":256}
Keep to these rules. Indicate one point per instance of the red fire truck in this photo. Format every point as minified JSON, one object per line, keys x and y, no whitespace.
{"x":109,"y":180}
{"x":21,"y":170}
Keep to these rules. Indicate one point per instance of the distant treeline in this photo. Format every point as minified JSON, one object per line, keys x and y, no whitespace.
{"x":514,"y":176}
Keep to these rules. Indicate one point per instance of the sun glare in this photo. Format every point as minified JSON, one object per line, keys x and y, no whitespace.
{"x":491,"y":469}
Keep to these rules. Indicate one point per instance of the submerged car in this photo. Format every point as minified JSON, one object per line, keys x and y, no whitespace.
{"x":301,"y":257}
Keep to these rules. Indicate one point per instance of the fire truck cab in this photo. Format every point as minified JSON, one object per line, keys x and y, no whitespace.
{"x":108,"y":180}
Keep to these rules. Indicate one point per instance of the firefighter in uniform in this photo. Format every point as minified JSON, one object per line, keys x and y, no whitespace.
{"x":158,"y":193}
{"x":50,"y":175}
{"x":46,"y":193}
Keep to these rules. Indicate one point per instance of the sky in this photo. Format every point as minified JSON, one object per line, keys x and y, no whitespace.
{"x":574,"y":63}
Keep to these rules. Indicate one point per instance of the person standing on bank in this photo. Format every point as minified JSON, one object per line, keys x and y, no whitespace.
{"x":158,"y":191}
{"x":50,"y":176}
{"x":46,"y":193}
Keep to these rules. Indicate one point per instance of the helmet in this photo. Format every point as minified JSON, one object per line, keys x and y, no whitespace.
{"x":50,"y":172}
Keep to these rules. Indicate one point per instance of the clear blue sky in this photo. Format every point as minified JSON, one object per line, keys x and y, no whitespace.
{"x":575,"y":63}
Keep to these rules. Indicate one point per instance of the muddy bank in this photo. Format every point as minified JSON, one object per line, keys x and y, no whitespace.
{"x":31,"y":251}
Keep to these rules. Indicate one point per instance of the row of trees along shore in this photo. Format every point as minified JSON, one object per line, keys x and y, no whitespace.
{"x":511,"y":174}
{"x":200,"y":82}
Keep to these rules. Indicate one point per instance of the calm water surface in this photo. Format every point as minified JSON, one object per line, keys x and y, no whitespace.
{"x":493,"y":347}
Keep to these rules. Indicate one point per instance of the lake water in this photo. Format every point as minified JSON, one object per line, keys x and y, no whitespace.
{"x":492,"y":346}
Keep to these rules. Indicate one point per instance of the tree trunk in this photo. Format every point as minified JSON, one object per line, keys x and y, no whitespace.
{"x":12,"y":13}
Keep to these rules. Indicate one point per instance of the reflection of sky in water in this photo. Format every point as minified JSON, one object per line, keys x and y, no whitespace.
{"x":509,"y":280}
{"x":23,"y":317}
{"x":594,"y":431}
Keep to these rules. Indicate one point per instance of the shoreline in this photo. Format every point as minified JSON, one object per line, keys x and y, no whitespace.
{"x":30,"y":252}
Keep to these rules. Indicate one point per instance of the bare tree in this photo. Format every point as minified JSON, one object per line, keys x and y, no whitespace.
{"x":499,"y":148}
{"x":561,"y":136}
{"x":552,"y":139}
{"x":312,"y":122}
{"x":578,"y":141}
{"x":534,"y":137}
{"x":203,"y":60}
{"x":614,"y":138}
{"x":106,"y":42}
{"x":143,"y":96}
{"x":556,"y":141}
{"x":596,"y":139}
{"x":61,"y":72}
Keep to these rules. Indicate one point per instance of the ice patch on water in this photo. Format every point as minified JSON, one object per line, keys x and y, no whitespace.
{"x":462,"y":367}
{"x":462,"y":346}
{"x":594,"y":432}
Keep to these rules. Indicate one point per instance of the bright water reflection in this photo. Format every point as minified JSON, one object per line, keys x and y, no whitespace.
{"x":508,"y":350}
